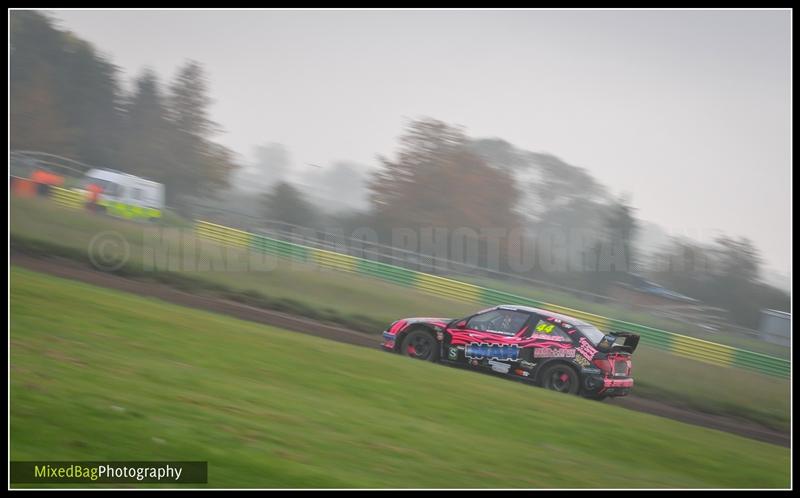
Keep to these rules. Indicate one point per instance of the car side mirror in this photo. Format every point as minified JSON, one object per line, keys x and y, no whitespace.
{"x":461,"y":324}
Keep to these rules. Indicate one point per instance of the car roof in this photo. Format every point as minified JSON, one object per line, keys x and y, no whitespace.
{"x":564,"y":318}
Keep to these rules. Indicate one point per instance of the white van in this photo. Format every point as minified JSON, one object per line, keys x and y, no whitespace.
{"x":125,"y":195}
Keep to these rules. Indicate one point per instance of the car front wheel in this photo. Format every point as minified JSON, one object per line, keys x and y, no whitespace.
{"x":421,"y":345}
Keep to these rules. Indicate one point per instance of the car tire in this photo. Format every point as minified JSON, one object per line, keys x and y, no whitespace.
{"x":561,"y":378}
{"x":420,"y":344}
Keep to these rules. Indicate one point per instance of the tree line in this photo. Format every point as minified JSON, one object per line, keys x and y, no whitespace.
{"x":441,"y":177}
{"x":66,"y":99}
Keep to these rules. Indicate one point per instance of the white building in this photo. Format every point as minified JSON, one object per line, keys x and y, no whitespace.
{"x":775,"y":327}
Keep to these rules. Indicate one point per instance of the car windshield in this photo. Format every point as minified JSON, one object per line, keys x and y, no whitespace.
{"x":592,"y":333}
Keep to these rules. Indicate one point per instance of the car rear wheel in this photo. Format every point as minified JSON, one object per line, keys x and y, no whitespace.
{"x":421,"y":345}
{"x":561,"y":378}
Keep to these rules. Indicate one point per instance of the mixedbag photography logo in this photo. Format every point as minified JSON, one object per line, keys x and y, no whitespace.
{"x":108,"y":472}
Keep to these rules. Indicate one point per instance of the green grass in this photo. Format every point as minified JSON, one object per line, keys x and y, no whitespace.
{"x":368,"y":304}
{"x":103,"y":375}
{"x":712,"y":388}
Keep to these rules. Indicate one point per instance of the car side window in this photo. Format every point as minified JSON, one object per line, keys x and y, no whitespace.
{"x":544,"y":328}
{"x":507,"y":322}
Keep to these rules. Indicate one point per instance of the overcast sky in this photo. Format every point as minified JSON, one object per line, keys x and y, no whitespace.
{"x":686,"y":111}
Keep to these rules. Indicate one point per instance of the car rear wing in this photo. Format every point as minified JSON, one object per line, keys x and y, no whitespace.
{"x":624,"y":341}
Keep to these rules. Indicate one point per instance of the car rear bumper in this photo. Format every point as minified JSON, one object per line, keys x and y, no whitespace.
{"x":599,"y":385}
{"x":616,"y":386}
{"x":609,"y":382}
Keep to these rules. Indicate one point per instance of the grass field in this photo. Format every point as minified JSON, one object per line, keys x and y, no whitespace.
{"x":103,"y":375}
{"x":349,"y":298}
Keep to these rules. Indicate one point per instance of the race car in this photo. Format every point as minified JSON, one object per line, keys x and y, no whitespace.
{"x":533,"y":345}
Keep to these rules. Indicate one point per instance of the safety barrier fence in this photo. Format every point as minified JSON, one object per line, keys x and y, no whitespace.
{"x":67,"y":198}
{"x":678,"y":344}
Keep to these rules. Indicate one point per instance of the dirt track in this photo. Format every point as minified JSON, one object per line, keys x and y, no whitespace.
{"x":72,"y":270}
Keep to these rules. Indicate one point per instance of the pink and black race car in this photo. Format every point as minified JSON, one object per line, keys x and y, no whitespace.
{"x":533,"y":345}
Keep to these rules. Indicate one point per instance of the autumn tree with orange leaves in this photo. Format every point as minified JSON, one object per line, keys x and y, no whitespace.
{"x":437,"y":180}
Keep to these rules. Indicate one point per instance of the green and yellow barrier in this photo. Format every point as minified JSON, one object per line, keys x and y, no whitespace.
{"x":224,"y":235}
{"x":67,"y":198}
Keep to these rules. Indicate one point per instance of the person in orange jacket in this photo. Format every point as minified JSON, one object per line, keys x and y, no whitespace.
{"x":94,"y":195}
{"x":44,"y":180}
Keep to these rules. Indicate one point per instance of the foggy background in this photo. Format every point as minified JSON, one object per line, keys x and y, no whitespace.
{"x":623,"y":149}
{"x":688,"y":112}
